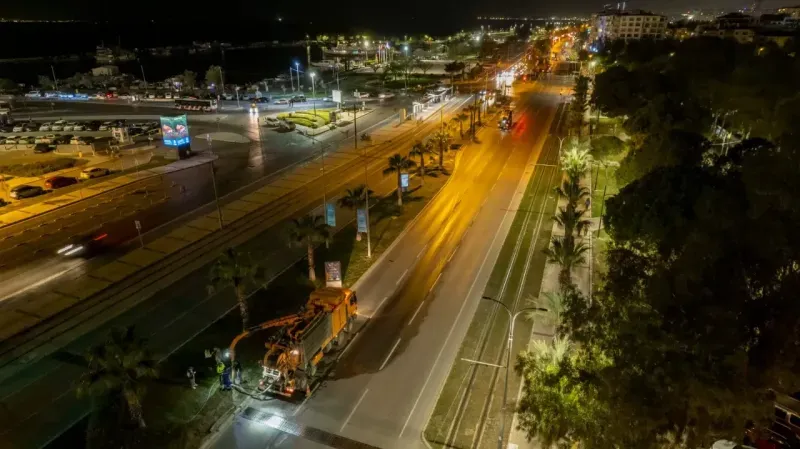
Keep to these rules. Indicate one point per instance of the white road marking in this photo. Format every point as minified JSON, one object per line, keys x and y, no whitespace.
{"x":454,"y":251}
{"x":36,"y":284}
{"x":423,"y":250}
{"x":415,"y":313}
{"x":347,"y":348}
{"x":379,"y":305}
{"x":383,"y":365}
{"x":401,"y":277}
{"x":434,"y":282}
{"x":354,"y":409}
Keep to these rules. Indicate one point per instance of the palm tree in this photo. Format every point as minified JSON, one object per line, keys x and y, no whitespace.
{"x":552,"y":302}
{"x":565,"y":252}
{"x":398,"y":164}
{"x":569,"y":219}
{"x":308,"y":231}
{"x":234,"y":269}
{"x":420,"y":149}
{"x":118,"y":369}
{"x":442,"y":138}
{"x":576,"y":161}
{"x":572,"y":192}
{"x":551,"y":353}
{"x":355,"y":198}
{"x":471,"y":110}
{"x":462,"y":117}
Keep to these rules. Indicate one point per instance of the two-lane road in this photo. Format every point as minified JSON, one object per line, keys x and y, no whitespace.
{"x":420,"y":300}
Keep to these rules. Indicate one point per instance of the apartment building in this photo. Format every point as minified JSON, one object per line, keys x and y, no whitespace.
{"x":628,"y":25}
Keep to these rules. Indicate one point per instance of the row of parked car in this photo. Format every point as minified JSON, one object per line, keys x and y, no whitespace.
{"x":56,"y":182}
{"x":49,"y":139}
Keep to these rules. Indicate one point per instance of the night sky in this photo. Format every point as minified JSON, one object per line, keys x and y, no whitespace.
{"x":361,"y":12}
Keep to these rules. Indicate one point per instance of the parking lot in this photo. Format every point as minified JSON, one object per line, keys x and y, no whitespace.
{"x":61,"y":132}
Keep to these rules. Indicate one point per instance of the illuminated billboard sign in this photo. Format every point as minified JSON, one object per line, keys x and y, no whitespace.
{"x":175,"y":130}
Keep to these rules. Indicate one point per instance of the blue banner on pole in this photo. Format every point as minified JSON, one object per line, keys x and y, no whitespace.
{"x":330,"y":214}
{"x":362,"y":220}
{"x":404,"y":181}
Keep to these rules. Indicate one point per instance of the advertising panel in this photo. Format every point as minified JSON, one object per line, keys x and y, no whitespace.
{"x":404,"y":181}
{"x":175,"y":130}
{"x":330,"y":214}
{"x":362,"y":220}
{"x":333,"y":274}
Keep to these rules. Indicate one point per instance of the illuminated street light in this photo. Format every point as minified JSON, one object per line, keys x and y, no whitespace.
{"x":314,"y":93}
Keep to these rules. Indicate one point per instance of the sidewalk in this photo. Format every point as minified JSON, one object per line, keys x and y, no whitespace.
{"x":127,"y":162}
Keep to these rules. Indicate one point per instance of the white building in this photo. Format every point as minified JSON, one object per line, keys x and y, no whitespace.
{"x":628,"y":25}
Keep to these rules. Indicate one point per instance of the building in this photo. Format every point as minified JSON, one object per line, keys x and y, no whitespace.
{"x":741,"y":35}
{"x":791,"y":11}
{"x":105,"y":70}
{"x":628,"y":25}
{"x":735,"y":20}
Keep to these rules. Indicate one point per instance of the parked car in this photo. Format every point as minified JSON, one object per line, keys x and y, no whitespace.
{"x":106,"y":126}
{"x":281,"y":101}
{"x":385,"y":95}
{"x":77,"y":127}
{"x":69,"y":126}
{"x":42,"y":148}
{"x":45,"y":126}
{"x":299,"y":98}
{"x":272,"y":121}
{"x":81,"y":140}
{"x":49,"y":138}
{"x":34,"y":94}
{"x":30,"y":127}
{"x":26,"y":140}
{"x":62,"y":140}
{"x":58,"y":125}
{"x":93,"y":125}
{"x":11,"y":140}
{"x":2,"y":140}
{"x":25,"y":191}
{"x":17,"y":128}
{"x":57,"y":182}
{"x":94,"y":172}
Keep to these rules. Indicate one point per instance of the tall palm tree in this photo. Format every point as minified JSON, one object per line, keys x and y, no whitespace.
{"x":441,"y":138}
{"x":552,"y":302}
{"x":462,"y":117}
{"x":308,"y":231}
{"x":572,"y":192}
{"x":118,"y":369}
{"x":234,"y":269}
{"x":471,"y":110}
{"x":399,"y":164}
{"x":355,"y":198}
{"x":570,"y":219}
{"x":551,"y":353}
{"x":420,"y":149}
{"x":567,"y":253}
{"x":576,"y":161}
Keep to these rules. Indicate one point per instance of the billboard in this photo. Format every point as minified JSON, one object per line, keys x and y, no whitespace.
{"x":361,"y":215}
{"x":333,"y":274}
{"x":330,"y":214}
{"x":175,"y":130}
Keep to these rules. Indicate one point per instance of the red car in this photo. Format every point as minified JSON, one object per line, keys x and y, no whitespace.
{"x":57,"y":182}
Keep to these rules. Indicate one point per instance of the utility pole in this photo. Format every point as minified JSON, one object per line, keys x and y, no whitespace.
{"x":144,"y":78}
{"x":366,"y":183}
{"x":55,"y":81}
{"x":216,"y":197}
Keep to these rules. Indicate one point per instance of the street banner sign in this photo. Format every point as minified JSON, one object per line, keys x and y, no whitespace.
{"x":138,"y":225}
{"x":333,"y":274}
{"x":330,"y":214}
{"x":404,"y":181}
{"x":362,"y":220}
{"x":336,"y":95}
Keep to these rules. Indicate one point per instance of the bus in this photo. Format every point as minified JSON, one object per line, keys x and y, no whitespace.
{"x":187,"y":104}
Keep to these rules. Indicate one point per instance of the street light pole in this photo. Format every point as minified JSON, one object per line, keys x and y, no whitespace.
{"x":291,"y":80}
{"x":216,"y":197}
{"x":144,"y":78}
{"x":313,"y":93}
{"x":512,"y":318}
{"x":297,"y":69}
{"x":366,"y":183}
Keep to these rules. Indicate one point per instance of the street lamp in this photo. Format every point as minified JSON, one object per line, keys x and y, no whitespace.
{"x":512,"y":318}
{"x":313,"y":93}
{"x":297,"y":69}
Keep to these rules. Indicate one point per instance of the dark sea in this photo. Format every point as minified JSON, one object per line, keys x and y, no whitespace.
{"x":79,"y":39}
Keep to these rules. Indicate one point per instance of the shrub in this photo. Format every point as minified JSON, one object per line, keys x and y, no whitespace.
{"x":41,"y":167}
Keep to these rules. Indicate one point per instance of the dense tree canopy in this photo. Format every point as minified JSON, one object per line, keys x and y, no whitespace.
{"x":696,"y":325}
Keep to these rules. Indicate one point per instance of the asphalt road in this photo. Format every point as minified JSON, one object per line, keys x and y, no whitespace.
{"x":28,"y":259}
{"x":37,"y":398}
{"x":420,"y":300}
